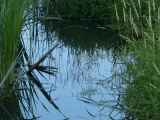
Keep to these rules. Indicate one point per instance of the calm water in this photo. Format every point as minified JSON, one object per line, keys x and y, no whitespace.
{"x":82,"y":88}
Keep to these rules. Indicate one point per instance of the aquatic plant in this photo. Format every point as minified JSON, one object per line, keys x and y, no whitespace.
{"x":17,"y":92}
{"x":12,"y":20}
{"x":141,"y":70}
{"x":13,"y":14}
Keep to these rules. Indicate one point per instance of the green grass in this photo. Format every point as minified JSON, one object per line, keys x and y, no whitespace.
{"x":141,"y":68}
{"x":18,"y":96}
{"x":13,"y":14}
{"x":12,"y":17}
{"x":138,"y":23}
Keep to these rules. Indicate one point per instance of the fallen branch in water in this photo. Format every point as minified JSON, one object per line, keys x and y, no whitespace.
{"x":43,"y":69}
{"x":40,"y":60}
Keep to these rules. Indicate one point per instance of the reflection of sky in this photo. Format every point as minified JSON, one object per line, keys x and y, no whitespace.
{"x":76,"y":73}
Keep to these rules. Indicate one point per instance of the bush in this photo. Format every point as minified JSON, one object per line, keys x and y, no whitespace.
{"x":99,"y":10}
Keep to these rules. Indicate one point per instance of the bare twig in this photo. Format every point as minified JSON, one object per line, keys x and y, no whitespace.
{"x":38,"y":84}
{"x":40,"y":60}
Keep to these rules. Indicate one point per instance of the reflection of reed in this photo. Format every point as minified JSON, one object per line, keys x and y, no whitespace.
{"x":39,"y":85}
{"x":83,"y":36}
{"x":46,"y":69}
{"x":42,"y":68}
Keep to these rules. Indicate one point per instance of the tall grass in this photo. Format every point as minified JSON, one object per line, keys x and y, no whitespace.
{"x":141,"y":59}
{"x":12,"y":17}
{"x":13,"y":14}
{"x":17,"y":92}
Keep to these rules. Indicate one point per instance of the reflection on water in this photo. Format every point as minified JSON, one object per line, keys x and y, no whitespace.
{"x":83,"y":36}
{"x":84,"y":58}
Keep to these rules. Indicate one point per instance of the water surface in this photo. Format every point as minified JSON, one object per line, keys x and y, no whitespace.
{"x":83,"y":87}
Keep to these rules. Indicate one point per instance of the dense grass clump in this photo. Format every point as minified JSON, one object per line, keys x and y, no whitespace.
{"x":17,"y":92}
{"x":12,"y":18}
{"x":13,"y":14}
{"x":141,"y":61}
{"x":133,"y":16}
{"x":142,"y":77}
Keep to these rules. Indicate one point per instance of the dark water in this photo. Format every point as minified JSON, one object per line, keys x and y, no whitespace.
{"x":83,"y":88}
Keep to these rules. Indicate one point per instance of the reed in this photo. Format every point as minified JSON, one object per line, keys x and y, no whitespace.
{"x":17,"y":93}
{"x":13,"y":14}
{"x":141,"y":69}
{"x":12,"y":17}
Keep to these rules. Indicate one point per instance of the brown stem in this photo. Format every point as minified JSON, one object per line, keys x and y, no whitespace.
{"x":41,"y":59}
